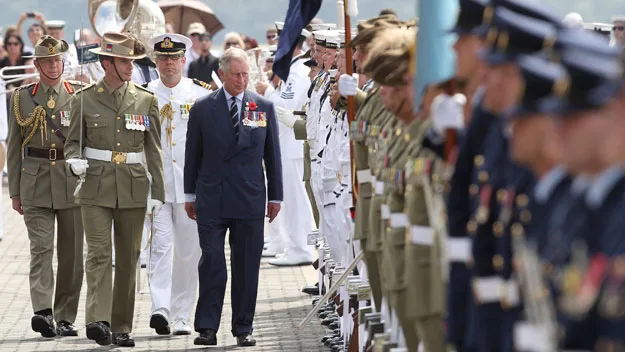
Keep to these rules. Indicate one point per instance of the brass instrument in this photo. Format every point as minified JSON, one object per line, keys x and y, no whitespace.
{"x":143,"y":18}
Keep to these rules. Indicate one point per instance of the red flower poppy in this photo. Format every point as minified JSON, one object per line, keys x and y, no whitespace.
{"x":253,"y":106}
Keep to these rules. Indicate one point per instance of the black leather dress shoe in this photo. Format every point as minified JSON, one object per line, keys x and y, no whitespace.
{"x":123,"y":339}
{"x":65,"y":328}
{"x":159,"y":323}
{"x":100,"y":332}
{"x":246,"y":340}
{"x":43,"y":324}
{"x":207,"y":337}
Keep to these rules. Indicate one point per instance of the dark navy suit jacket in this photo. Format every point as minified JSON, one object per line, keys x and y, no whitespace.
{"x":224,"y":172}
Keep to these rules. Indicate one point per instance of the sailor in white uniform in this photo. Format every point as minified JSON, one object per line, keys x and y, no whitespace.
{"x":292,"y":226}
{"x":174,"y":249}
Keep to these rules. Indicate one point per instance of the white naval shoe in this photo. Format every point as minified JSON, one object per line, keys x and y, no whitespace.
{"x":290,"y":260}
{"x":181,"y":328}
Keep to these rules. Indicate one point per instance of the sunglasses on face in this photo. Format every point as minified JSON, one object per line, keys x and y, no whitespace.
{"x":232,"y":44}
{"x":169,"y":57}
{"x":618,"y":28}
{"x":271,"y":37}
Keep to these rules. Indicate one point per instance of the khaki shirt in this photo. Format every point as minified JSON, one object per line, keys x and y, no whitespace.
{"x":104,"y":127}
{"x":40,"y":182}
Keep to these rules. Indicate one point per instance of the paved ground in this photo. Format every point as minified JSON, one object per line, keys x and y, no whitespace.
{"x":280,"y":307}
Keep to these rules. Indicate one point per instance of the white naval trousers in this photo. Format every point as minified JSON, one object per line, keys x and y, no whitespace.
{"x":174,"y":287}
{"x":295,"y":220}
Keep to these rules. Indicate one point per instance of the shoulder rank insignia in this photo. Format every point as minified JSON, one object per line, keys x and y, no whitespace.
{"x":202,"y":84}
{"x":68,"y":87}
{"x":35,"y":89}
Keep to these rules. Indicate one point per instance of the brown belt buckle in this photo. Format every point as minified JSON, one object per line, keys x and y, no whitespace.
{"x":118,"y":157}
{"x":52,"y":154}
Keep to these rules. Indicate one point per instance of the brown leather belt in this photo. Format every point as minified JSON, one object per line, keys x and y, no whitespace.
{"x":50,"y":154}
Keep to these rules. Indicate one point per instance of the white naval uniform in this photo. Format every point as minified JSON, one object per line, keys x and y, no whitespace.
{"x":173,"y":288}
{"x":290,"y":229}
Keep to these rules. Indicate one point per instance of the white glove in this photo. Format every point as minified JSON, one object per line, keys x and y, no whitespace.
{"x":348,"y":85}
{"x":79,"y":166}
{"x":447,"y":112}
{"x":154,"y":206}
{"x":285,"y":116}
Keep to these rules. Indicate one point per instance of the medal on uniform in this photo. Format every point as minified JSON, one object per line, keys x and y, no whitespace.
{"x":612,"y":303}
{"x":127,"y":120}
{"x":51,"y":103}
{"x":579,"y":296}
{"x":65,"y":118}
{"x":508,"y":203}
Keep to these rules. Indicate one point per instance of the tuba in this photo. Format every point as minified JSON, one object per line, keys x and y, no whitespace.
{"x":142,"y":18}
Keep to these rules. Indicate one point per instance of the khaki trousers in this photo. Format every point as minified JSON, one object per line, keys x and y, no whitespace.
{"x":105,"y":301}
{"x":69,"y":243}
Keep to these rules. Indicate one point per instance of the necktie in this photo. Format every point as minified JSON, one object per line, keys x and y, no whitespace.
{"x":234,"y":114}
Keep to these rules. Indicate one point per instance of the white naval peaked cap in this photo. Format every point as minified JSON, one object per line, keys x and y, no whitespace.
{"x":322,"y":26}
{"x":305,"y":33}
{"x":618,"y":18}
{"x":573,"y":20}
{"x":55,"y":24}
{"x":170,"y":43}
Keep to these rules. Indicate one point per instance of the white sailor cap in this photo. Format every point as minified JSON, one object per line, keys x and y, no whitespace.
{"x":333,"y":40}
{"x":321,"y":36}
{"x":169,"y":44}
{"x":342,"y":35}
{"x":322,"y":26}
{"x":618,"y":18}
{"x":55,"y":24}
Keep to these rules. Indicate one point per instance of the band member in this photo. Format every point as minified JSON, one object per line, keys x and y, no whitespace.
{"x":231,"y":133}
{"x":173,"y":289}
{"x":41,"y":190}
{"x":119,"y":129}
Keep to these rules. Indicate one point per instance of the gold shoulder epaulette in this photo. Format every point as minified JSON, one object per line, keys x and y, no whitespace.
{"x":202,"y":84}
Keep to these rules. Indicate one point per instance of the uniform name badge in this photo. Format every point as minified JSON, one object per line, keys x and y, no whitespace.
{"x":65,"y":118}
{"x":254,"y":119}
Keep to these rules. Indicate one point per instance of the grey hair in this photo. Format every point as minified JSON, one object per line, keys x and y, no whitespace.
{"x":229,"y":55}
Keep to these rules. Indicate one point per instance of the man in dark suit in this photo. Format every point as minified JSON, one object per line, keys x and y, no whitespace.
{"x":203,"y":67}
{"x":230,"y":133}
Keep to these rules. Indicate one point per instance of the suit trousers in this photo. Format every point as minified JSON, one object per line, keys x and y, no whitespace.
{"x":295,"y":221}
{"x":246,"y":246}
{"x":69,"y":243}
{"x":173,"y":287}
{"x":114,"y":303}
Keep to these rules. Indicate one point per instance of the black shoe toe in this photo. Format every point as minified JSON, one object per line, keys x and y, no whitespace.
{"x":43,"y":324}
{"x":99,"y":332}
{"x":160,"y":324}
{"x":246,"y":340}
{"x":206,"y":338}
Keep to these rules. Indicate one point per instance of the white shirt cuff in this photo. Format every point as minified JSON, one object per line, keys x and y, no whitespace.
{"x":189,"y":197}
{"x":275,"y":201}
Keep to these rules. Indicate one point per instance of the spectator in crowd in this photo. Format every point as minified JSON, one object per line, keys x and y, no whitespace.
{"x":272,"y":35}
{"x":233,"y":39}
{"x":193,"y":32}
{"x":250,"y":43}
{"x":206,"y":64}
{"x":35,"y":31}
{"x":388,"y":12}
{"x":14,"y":46}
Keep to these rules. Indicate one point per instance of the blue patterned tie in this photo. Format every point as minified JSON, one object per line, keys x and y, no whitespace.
{"x":234,"y":114}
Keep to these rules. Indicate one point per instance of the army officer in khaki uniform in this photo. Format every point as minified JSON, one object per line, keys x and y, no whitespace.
{"x":41,"y":189}
{"x":120,"y":132}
